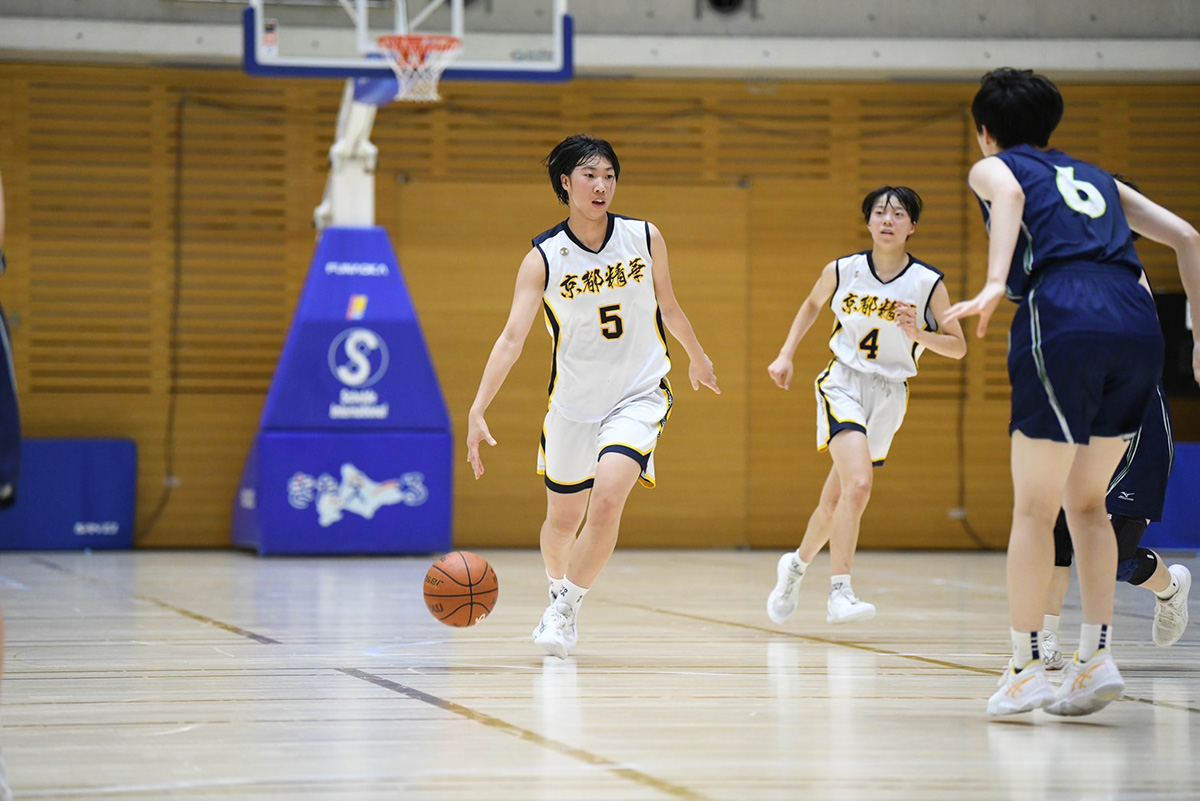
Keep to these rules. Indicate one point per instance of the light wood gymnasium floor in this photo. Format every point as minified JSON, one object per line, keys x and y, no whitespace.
{"x":203,"y":675}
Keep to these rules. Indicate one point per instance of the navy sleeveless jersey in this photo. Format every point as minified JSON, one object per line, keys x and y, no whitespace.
{"x":1072,"y":215}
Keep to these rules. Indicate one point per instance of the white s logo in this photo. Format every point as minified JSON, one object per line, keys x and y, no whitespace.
{"x":365,"y":357}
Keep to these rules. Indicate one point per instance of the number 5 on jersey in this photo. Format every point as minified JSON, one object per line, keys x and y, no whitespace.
{"x":611,"y":324}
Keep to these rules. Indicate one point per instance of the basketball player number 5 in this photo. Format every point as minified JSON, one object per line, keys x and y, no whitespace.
{"x":611,"y":325}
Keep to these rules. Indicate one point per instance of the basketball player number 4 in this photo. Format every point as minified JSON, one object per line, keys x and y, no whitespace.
{"x":611,"y":324}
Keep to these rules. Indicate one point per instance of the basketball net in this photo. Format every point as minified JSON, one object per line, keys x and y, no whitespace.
{"x":418,"y":61}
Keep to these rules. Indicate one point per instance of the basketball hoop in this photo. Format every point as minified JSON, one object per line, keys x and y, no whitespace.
{"x":418,"y":61}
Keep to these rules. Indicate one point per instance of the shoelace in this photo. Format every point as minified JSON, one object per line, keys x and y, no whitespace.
{"x":793,"y":580}
{"x":1169,"y":613}
{"x":559,"y":618}
{"x":552,"y":618}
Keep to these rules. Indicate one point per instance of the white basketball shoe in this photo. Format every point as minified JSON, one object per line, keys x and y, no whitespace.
{"x":785,"y":596}
{"x":1171,"y":615}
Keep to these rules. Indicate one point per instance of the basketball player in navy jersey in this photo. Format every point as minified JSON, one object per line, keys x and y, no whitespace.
{"x":889,"y":307}
{"x":1085,"y":353}
{"x":603,"y":285}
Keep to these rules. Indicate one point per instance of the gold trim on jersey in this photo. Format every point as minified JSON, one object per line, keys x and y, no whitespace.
{"x":665,"y":386}
{"x":837,"y":327}
{"x":555,"y":329}
{"x":662,"y":331}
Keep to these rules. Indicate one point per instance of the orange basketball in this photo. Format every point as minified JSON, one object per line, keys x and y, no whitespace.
{"x":461,"y":588}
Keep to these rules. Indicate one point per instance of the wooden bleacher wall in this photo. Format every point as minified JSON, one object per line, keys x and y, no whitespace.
{"x":160,"y":227}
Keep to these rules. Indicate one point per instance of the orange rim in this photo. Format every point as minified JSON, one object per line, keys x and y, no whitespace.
{"x":422,"y":43}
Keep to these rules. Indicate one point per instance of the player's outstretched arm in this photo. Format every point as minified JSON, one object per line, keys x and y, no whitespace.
{"x":700,"y":367}
{"x":781,"y":370}
{"x":1164,"y":226}
{"x":994,"y":183}
{"x":527,"y":297}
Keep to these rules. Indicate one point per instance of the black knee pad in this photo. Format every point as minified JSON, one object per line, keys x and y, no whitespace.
{"x":1129,"y":531}
{"x":1062,"y":541}
{"x":1138,"y":569}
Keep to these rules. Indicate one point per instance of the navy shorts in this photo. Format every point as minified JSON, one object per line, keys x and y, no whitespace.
{"x":1139,"y":486}
{"x":1084,"y":355}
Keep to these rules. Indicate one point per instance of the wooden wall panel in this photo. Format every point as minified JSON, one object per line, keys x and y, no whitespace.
{"x":157,"y":257}
{"x":92,"y":235}
{"x":702,"y":467}
{"x":160,"y":227}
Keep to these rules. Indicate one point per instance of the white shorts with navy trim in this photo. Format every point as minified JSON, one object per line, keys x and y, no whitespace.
{"x":850,"y":400}
{"x":570,"y":450}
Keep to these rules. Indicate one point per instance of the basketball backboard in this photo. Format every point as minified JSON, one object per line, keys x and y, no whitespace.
{"x":502,"y":40}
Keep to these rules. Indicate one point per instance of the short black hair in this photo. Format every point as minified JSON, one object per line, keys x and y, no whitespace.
{"x":906,"y":197}
{"x":573,"y":151}
{"x":1018,"y":107}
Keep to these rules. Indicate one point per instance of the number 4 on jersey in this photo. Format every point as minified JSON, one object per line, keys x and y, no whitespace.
{"x":870,"y":343}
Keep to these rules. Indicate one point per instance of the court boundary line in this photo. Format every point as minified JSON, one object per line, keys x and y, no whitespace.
{"x":179,"y":610}
{"x":511,"y":729}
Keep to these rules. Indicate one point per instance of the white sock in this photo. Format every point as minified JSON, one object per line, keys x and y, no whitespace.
{"x":1024,"y":647}
{"x":572,"y":594}
{"x":556,"y":584}
{"x":801,"y":565}
{"x":1050,"y":623}
{"x":1171,"y":589}
{"x":1092,"y":638}
{"x":838,"y":581}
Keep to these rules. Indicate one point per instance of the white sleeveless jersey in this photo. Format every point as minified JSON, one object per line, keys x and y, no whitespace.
{"x":603,"y":317}
{"x":866,"y":336}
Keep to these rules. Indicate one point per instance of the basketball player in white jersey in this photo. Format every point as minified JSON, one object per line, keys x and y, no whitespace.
{"x":603,"y":286}
{"x":889,"y":309}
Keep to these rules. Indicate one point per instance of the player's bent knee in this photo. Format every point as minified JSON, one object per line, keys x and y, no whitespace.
{"x":606,"y":507}
{"x":562,"y":529}
{"x":1129,"y":531}
{"x":856,"y":491}
{"x":1138,"y":569}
